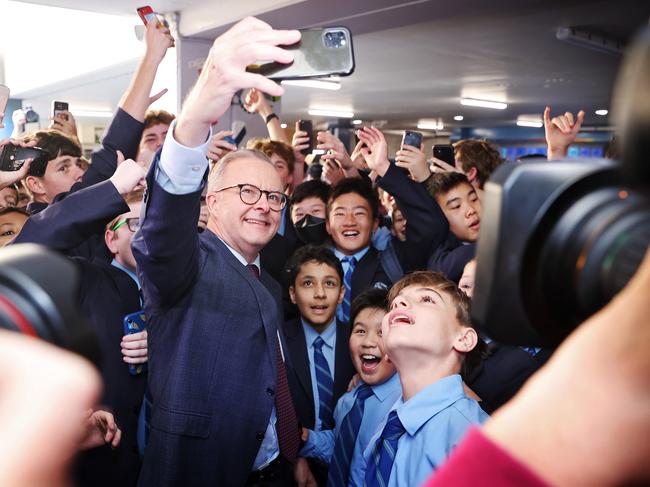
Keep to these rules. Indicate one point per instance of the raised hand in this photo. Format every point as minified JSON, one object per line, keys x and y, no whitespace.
{"x":224,"y":73}
{"x":8,"y":178}
{"x":375,"y":151}
{"x":219,"y":147}
{"x":413,"y":159}
{"x":65,"y":123}
{"x":332,"y":172}
{"x":561,"y":132}
{"x":157,"y":39}
{"x":335,"y":150}
{"x":128,"y":176}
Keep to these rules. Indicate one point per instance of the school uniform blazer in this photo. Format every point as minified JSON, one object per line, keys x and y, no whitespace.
{"x":123,"y":134}
{"x":300,"y":375}
{"x":213,"y":330}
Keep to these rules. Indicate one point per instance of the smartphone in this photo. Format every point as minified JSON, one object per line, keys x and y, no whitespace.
{"x":239,"y":131}
{"x":13,"y":157}
{"x":306,"y":126}
{"x":147,"y":14}
{"x":135,"y":323}
{"x":58,"y":107}
{"x":412,"y":138}
{"x":4,"y":99}
{"x":444,"y":152}
{"x":320,"y":52}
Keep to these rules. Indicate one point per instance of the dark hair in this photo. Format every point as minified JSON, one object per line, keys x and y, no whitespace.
{"x":440,"y":183}
{"x":314,"y":188}
{"x":480,"y":154}
{"x":359,"y":186}
{"x":157,"y":117}
{"x":270,"y":147}
{"x":55,"y":144}
{"x":312,"y":253}
{"x":376,"y":298}
{"x":13,"y":209}
{"x":438,"y":281}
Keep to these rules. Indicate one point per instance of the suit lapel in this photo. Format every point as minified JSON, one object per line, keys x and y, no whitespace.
{"x":364,"y":272}
{"x":299,"y":356}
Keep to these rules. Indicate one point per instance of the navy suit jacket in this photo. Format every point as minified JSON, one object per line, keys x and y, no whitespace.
{"x":213,"y":330}
{"x":299,"y":373}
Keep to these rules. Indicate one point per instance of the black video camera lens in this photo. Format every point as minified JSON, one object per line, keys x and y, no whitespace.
{"x":39,"y":294}
{"x":335,"y":39}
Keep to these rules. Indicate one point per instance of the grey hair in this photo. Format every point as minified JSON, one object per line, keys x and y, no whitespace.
{"x":217,"y":170}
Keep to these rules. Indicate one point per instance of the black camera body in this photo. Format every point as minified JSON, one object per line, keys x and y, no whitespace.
{"x":558,"y":240}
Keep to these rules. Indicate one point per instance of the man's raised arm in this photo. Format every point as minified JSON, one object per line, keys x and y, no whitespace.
{"x":166,"y":247}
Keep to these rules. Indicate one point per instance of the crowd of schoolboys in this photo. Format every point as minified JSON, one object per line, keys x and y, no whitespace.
{"x":386,"y":370}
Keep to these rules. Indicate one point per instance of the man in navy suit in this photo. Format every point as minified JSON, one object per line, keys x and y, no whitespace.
{"x":222,"y":411}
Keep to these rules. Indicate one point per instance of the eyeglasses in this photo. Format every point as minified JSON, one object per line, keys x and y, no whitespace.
{"x":251,"y":194}
{"x":133,"y":224}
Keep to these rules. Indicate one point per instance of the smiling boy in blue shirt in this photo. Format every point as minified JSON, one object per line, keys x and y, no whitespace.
{"x":359,"y":412}
{"x":429,"y":338}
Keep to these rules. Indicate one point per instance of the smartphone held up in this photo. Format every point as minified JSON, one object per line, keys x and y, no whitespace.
{"x":320,"y":53}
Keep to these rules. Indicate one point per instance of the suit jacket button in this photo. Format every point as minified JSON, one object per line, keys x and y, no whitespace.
{"x":270,"y":391}
{"x":259,"y":436}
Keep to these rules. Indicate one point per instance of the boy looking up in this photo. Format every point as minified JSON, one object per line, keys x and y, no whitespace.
{"x":429,"y":338}
{"x":359,"y":412}
{"x":320,"y":368}
{"x":461,"y":206}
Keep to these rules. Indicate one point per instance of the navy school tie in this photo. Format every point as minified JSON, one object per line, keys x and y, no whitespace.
{"x":339,"y":470}
{"x":325,"y":385}
{"x":383,"y":454}
{"x":347,"y":282}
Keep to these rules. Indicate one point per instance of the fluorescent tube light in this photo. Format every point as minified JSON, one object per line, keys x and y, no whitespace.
{"x":326,"y":112}
{"x":529,"y":123}
{"x":472,"y":102}
{"x":430,"y":124}
{"x":313,"y":83}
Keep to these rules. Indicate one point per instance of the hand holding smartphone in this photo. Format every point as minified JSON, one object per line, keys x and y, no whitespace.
{"x":306,"y":126}
{"x":59,"y":107}
{"x":414,"y":139}
{"x":444,"y":152}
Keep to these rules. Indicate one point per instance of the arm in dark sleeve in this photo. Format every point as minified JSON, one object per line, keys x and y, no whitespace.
{"x":67,"y":223}
{"x":426,"y":228}
{"x":123,"y":134}
{"x":166,"y":246}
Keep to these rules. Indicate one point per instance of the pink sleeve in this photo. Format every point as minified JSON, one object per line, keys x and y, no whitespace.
{"x":478,"y":462}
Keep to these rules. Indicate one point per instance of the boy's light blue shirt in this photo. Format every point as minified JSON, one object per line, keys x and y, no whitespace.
{"x":320,"y":444}
{"x":436,"y":420}
{"x":329,"y":337}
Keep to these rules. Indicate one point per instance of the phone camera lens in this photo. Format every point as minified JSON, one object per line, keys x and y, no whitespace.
{"x":335,"y":39}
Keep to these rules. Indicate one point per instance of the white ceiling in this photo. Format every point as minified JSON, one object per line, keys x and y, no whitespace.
{"x":416,"y":58}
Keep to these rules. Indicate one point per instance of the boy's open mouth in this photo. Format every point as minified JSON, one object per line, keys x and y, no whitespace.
{"x":369,"y":362}
{"x":399,"y":318}
{"x":319,"y":309}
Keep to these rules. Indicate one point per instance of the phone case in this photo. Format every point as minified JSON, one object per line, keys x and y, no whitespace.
{"x":413,"y":139}
{"x":135,"y":323}
{"x":321,"y":52}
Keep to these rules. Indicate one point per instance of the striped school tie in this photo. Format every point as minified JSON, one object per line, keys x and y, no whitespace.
{"x":347,"y":282}
{"x":339,"y":471}
{"x":325,"y":385}
{"x":381,"y":461}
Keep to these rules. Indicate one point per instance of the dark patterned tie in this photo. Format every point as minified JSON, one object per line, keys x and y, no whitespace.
{"x":339,"y":471}
{"x":287,"y":424}
{"x":383,"y":454}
